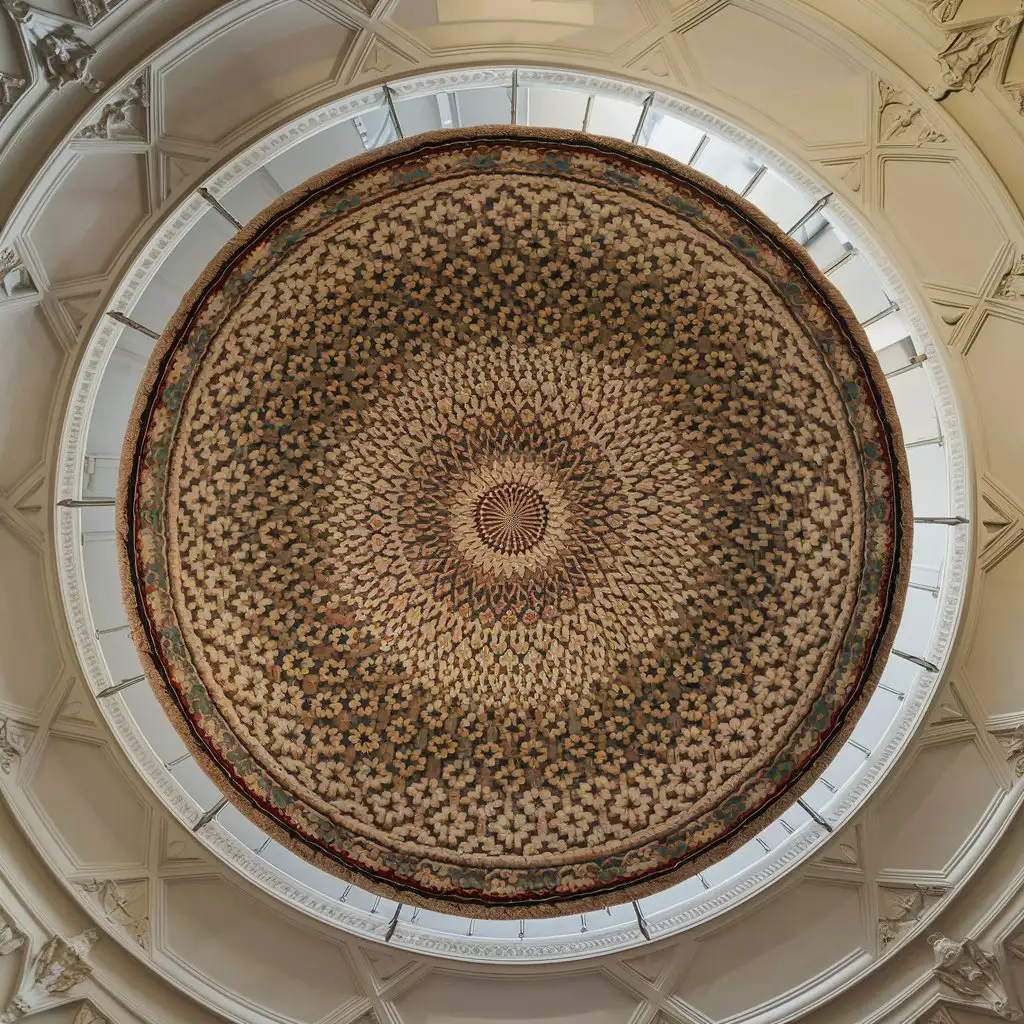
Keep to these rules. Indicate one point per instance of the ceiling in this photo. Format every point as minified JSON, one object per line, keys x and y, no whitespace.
{"x":98,"y":177}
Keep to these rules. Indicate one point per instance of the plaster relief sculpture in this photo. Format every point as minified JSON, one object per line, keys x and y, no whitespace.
{"x":125,"y":117}
{"x":90,"y":11}
{"x":11,"y":87}
{"x":123,"y":904}
{"x":57,"y":968}
{"x":11,"y":741}
{"x":1012,"y":284}
{"x":972,"y":972}
{"x":87,"y":1015}
{"x":1013,"y":746}
{"x":905,"y":908}
{"x":10,"y":938}
{"x":901,"y":120}
{"x":63,"y":55}
{"x":970,"y":52}
{"x":944,"y":10}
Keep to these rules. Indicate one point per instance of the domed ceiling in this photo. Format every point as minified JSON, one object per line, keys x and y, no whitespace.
{"x":514,"y":522}
{"x":136,"y":139}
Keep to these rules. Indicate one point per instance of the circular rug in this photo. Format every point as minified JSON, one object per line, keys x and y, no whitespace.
{"x":513,"y":522}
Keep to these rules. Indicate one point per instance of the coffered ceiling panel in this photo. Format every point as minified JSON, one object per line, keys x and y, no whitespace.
{"x":99,"y":816}
{"x":445,"y":998}
{"x":31,"y":358}
{"x":215,"y":930}
{"x":29,"y":661}
{"x":930,"y":201}
{"x":950,"y":788}
{"x":96,"y":207}
{"x":588,"y":26}
{"x":997,"y":648}
{"x":769,"y":951}
{"x":271,"y":56}
{"x":794,"y":80}
{"x":995,"y":365}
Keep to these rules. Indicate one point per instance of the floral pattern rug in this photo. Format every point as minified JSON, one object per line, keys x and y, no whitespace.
{"x":513,"y":522}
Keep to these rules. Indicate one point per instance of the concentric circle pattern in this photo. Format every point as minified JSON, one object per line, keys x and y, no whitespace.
{"x":513,"y":522}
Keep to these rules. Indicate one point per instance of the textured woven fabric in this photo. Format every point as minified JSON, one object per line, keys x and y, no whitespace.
{"x":513,"y":522}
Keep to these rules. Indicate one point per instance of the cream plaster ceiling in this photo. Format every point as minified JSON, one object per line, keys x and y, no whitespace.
{"x":840,"y":87}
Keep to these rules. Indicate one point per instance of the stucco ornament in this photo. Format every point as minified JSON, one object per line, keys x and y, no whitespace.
{"x":972,"y":972}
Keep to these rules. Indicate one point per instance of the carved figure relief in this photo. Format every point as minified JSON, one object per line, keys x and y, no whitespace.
{"x":901,"y":120}
{"x":62,"y":53}
{"x":11,"y":741}
{"x":972,"y":972}
{"x":56,"y":969}
{"x":124,"y":905}
{"x":1012,"y":284}
{"x":11,"y":87}
{"x":90,"y":11}
{"x":1013,"y":746}
{"x":905,"y":907}
{"x":945,"y":10}
{"x":125,"y":117}
{"x":970,"y":52}
{"x":10,"y":938}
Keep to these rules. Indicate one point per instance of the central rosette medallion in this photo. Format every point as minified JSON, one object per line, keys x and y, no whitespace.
{"x":510,"y":518}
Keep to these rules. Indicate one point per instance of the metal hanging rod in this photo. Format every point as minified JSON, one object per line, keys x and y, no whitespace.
{"x":764,"y":846}
{"x":109,"y":691}
{"x":259,"y":849}
{"x":522,"y":930}
{"x":415,"y":915}
{"x":587,"y":113}
{"x":927,"y":587}
{"x":703,"y":881}
{"x":755,"y":180}
{"x":915,"y":660}
{"x":644,"y":111}
{"x":212,"y":813}
{"x":814,"y":815}
{"x":860,"y":746}
{"x":394,"y":923}
{"x":640,"y":922}
{"x":836,"y":264}
{"x":344,"y":896}
{"x":583,"y":923}
{"x":515,"y":96}
{"x":915,"y":361}
{"x":898,"y":694}
{"x":218,"y":206}
{"x":175,"y":761}
{"x":699,"y":148}
{"x":881,"y":314}
{"x":127,"y":321}
{"x":924,"y":442}
{"x":816,"y":208}
{"x":392,"y":112}
{"x":112,"y":629}
{"x":86,"y":503}
{"x":942,"y":520}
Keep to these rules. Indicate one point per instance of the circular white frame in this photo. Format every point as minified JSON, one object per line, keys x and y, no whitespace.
{"x":369,"y":918}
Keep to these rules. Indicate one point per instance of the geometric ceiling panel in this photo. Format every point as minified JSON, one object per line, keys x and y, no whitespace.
{"x":279,"y":52}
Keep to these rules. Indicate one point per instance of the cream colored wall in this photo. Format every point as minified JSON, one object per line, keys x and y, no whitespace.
{"x":943,"y":196}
